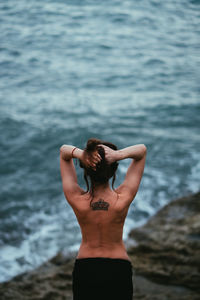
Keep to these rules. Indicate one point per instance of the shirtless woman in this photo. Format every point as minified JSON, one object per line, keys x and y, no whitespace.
{"x":102,"y":269}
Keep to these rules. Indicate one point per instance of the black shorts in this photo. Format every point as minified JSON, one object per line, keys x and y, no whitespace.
{"x":96,"y":278}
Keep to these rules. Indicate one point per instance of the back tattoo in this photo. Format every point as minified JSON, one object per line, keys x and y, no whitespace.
{"x":100,"y":205}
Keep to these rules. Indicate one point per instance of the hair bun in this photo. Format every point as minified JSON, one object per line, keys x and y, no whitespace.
{"x":104,"y":171}
{"x":92,"y":144}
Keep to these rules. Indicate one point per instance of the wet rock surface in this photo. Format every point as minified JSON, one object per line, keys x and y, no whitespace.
{"x":164,"y":252}
{"x":51,"y":281}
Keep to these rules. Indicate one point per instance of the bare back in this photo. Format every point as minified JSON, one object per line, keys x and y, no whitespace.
{"x":102,"y":224}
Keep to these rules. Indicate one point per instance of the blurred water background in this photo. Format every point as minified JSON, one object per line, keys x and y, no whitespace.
{"x":124,"y":71}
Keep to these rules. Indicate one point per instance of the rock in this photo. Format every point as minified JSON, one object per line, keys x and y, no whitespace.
{"x":165,"y":256}
{"x":51,"y":281}
{"x":166,"y":250}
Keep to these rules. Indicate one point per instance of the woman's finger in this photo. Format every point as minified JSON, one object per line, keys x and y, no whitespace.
{"x":95,"y":159}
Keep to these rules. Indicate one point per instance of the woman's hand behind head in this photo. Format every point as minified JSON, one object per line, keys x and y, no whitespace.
{"x":110,"y":154}
{"x":90,"y":159}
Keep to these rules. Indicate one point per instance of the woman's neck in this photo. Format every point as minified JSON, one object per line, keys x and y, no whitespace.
{"x":101,"y":188}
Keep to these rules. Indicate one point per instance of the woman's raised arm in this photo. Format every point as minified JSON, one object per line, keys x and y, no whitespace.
{"x":130,"y":185}
{"x":68,"y":152}
{"x":135,"y":152}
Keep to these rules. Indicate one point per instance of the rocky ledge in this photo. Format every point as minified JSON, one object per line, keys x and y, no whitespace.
{"x":165,"y":255}
{"x":166,"y":252}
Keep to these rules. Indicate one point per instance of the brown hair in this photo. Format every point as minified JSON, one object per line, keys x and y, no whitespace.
{"x":104,"y":171}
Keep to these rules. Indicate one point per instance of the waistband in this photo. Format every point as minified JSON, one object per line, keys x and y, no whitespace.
{"x":103,"y":259}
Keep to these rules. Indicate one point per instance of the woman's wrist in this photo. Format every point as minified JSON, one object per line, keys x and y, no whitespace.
{"x":119,"y":155}
{"x":78,"y":153}
{"x":68,"y":152}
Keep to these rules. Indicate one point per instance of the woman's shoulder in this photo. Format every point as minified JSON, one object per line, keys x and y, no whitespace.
{"x":124,"y":196}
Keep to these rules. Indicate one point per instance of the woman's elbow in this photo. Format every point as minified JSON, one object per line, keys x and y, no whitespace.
{"x":144,"y":149}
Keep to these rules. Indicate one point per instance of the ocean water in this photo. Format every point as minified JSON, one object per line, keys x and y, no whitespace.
{"x":124,"y":71}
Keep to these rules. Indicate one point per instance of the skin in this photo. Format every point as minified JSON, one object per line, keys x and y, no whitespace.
{"x":102,"y":230}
